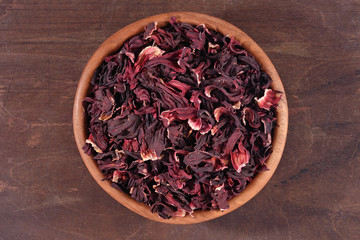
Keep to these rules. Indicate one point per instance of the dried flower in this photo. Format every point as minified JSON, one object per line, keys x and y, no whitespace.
{"x":180,"y":118}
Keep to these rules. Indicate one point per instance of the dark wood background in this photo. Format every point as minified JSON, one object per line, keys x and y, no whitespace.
{"x":47,"y":193}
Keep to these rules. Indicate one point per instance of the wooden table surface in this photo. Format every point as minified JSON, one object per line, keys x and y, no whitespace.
{"x":47,"y":193}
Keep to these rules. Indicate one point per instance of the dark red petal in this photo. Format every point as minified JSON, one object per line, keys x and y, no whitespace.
{"x":184,"y":88}
{"x":251,"y":117}
{"x":177,"y":114}
{"x":131,"y":145}
{"x":149,"y":30}
{"x":142,"y":94}
{"x":90,"y":141}
{"x":233,"y":139}
{"x":145,"y":110}
{"x":235,"y":96}
{"x":199,"y":70}
{"x":218,"y":112}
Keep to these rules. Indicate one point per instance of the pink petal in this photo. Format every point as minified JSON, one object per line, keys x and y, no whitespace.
{"x":148,"y":154}
{"x":195,"y":123}
{"x":240,"y":157}
{"x":147,"y":54}
{"x":206,"y":127}
{"x":195,"y":98}
{"x":116,"y":176}
{"x":178,"y":113}
{"x":269,"y":99}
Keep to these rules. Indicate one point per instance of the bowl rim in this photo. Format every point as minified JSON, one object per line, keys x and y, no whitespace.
{"x":113,"y":43}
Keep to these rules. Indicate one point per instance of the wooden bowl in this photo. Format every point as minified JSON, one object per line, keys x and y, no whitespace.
{"x":114,"y":43}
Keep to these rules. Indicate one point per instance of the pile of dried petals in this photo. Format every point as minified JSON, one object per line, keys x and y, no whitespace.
{"x":180,"y":118}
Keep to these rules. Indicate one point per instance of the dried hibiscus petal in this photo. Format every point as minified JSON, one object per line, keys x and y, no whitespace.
{"x":181,"y":118}
{"x":240,"y":157}
{"x":177,"y":114}
{"x":269,"y":99}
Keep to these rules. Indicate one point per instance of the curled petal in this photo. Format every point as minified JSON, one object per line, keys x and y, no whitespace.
{"x":199,"y":124}
{"x":197,"y":157}
{"x":214,"y":130}
{"x":149,"y":30}
{"x":233,"y":139}
{"x":118,"y":125}
{"x":199,"y":70}
{"x":237,"y":105}
{"x":177,"y":114}
{"x":205,"y":115}
{"x":184,"y":58}
{"x":240,"y":157}
{"x":127,"y":53}
{"x":142,"y":94}
{"x":147,"y":54}
{"x":213,"y":48}
{"x":236,"y":48}
{"x":176,"y":134}
{"x":251,"y":117}
{"x":164,"y":39}
{"x":116,"y":176}
{"x":235,"y":96}
{"x":268,"y":125}
{"x":218,"y":112}
{"x":195,"y":99}
{"x":197,"y":38}
{"x":145,"y":110}
{"x":221,"y":196}
{"x":205,"y":128}
{"x":269,"y":99}
{"x":195,"y":123}
{"x":90,"y":141}
{"x":208,"y":90}
{"x":120,"y":87}
{"x":179,"y":213}
{"x":184,"y":88}
{"x":165,"y":62}
{"x":249,"y":60}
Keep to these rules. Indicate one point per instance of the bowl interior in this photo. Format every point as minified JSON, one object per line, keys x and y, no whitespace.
{"x":114,"y":43}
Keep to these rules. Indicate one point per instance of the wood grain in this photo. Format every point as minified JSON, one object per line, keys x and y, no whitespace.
{"x":47,"y":193}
